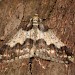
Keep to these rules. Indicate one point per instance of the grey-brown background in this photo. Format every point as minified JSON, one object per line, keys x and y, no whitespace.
{"x":57,"y":14}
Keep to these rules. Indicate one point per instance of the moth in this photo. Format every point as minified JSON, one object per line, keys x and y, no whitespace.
{"x":36,"y":40}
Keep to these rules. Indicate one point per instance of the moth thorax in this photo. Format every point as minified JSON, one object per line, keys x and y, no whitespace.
{"x":35,"y":20}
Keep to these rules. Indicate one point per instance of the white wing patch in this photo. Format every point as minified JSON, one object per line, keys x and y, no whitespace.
{"x":48,"y":36}
{"x":20,"y":37}
{"x":51,"y":37}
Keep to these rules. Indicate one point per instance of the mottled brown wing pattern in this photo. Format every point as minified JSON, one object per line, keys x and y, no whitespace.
{"x":36,"y":40}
